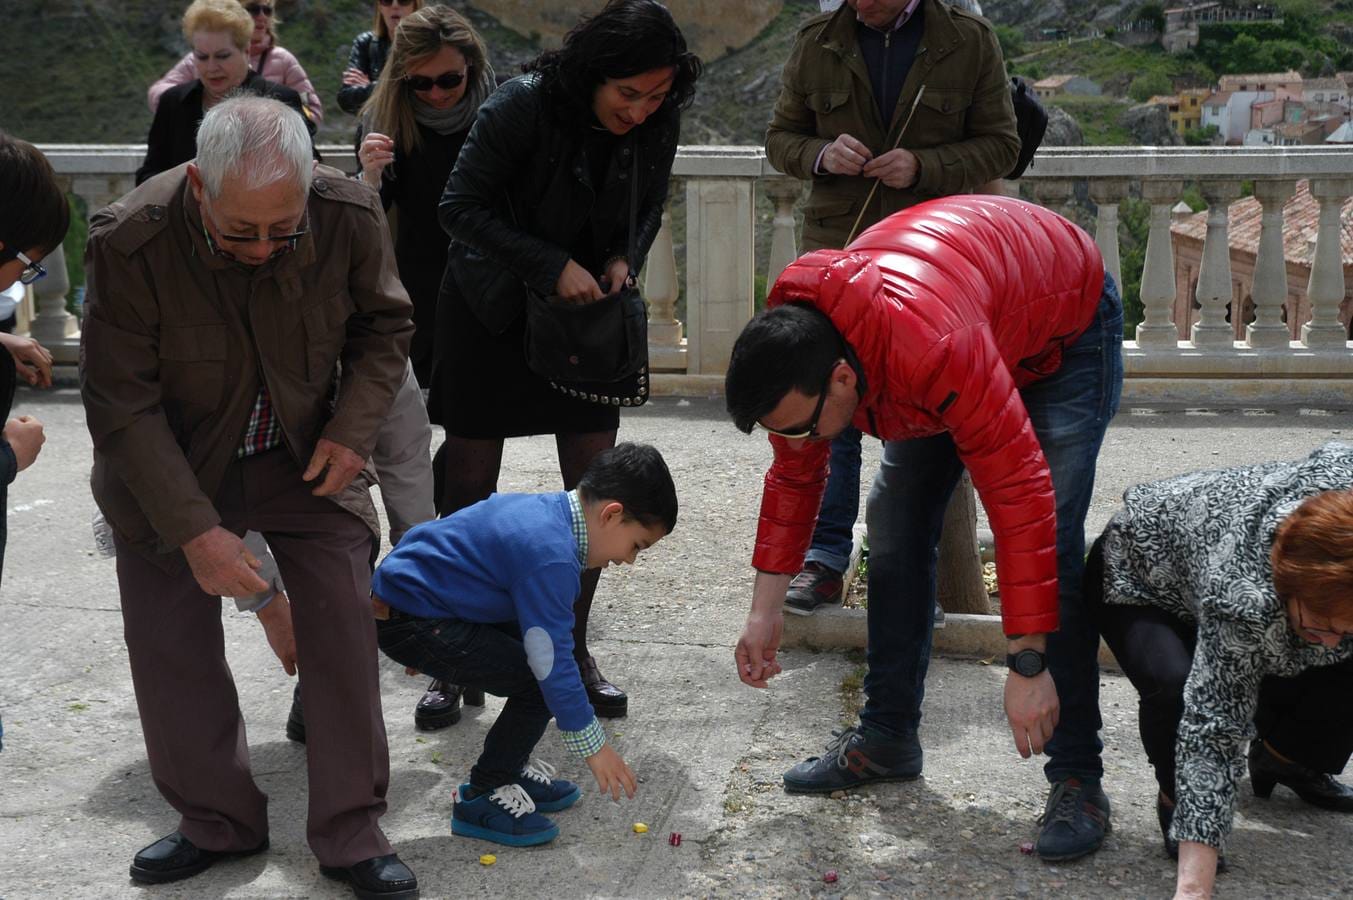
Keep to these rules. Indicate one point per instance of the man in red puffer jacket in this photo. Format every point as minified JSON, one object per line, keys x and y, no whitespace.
{"x":971,"y":331}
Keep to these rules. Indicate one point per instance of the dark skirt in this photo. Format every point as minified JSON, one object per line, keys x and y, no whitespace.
{"x":482,"y":388}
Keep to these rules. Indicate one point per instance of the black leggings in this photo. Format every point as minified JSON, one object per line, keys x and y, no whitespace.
{"x":1307,"y":718}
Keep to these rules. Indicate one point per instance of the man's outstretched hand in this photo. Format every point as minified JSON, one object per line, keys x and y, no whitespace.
{"x":758,"y":646}
{"x":1032,"y":707}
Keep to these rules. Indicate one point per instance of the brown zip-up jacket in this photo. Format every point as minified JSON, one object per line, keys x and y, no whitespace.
{"x":177,"y":338}
{"x":963,"y":133}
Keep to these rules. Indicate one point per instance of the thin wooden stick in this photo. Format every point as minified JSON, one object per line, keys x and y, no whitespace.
{"x":915,"y":103}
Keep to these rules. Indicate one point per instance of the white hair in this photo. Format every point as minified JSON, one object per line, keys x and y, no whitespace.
{"x":256,"y":141}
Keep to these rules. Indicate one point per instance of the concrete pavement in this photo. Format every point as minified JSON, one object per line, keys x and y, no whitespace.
{"x":76,"y":799}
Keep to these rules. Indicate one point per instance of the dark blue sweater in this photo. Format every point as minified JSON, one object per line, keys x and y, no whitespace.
{"x":888,"y":57}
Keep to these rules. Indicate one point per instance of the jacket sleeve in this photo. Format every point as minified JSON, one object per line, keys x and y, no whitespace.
{"x":991,"y":145}
{"x":376,"y":351}
{"x":965,"y":383}
{"x":544,"y":602}
{"x":790,"y":501}
{"x":183,"y":72}
{"x":294,"y":77}
{"x":120,"y":386}
{"x":352,"y":96}
{"x":792,"y":142}
{"x":9,"y":463}
{"x":498,"y":148}
{"x":159,"y":140}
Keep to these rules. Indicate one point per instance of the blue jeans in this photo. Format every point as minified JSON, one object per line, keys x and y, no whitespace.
{"x":1070,"y":411}
{"x":489,"y":657}
{"x":834,"y":537}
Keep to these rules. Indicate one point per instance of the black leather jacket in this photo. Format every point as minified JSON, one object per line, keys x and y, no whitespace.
{"x":368,"y":55}
{"x":521,"y":194}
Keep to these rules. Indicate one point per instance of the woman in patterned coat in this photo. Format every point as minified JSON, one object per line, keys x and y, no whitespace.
{"x":1227,"y":598}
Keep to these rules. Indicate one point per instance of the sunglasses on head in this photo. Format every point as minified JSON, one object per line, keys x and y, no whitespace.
{"x":446,"y":81}
{"x":258,"y":9}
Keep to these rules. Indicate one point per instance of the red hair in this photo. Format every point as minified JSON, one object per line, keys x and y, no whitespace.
{"x":1313,"y":554}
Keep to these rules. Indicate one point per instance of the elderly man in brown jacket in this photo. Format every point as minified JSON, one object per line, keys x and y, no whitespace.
{"x":245,"y":334}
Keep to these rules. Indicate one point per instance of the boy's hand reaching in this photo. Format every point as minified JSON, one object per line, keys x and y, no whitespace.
{"x":612,"y":773}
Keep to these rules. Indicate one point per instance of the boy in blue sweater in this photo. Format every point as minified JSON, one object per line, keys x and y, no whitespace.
{"x":485,"y":598}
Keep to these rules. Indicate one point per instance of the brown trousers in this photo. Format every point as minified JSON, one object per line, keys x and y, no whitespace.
{"x":195,"y":738}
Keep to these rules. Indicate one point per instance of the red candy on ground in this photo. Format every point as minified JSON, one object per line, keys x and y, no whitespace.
{"x":1027,"y":848}
{"x":674,"y":839}
{"x":829,"y":876}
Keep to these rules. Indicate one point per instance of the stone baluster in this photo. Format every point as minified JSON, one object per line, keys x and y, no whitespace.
{"x":666,"y":350}
{"x":1056,"y":194}
{"x":1325,"y":290}
{"x":1107,"y":194}
{"x":720,"y":256}
{"x":53,"y":327}
{"x":783,"y":192}
{"x":1157,"y":329}
{"x":97,"y":191}
{"x":1267,"y":331}
{"x":1214,"y":279}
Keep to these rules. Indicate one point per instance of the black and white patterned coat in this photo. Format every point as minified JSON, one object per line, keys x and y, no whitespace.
{"x":1197,"y":546}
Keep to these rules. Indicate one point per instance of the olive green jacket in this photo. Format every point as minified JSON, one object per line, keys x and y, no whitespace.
{"x":963,"y":133}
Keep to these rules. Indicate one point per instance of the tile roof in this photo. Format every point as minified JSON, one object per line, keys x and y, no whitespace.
{"x":1219,"y":98}
{"x":1300,"y":220}
{"x":1053,"y":81}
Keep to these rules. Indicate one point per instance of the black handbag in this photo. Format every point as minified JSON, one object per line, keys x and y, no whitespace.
{"x":596,"y":352}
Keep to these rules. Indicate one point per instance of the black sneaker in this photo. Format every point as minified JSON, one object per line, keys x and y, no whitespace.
{"x":1074,"y":821}
{"x":855,"y":757}
{"x":815,"y":586}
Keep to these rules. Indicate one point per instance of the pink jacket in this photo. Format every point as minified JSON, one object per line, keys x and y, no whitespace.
{"x":281,"y":67}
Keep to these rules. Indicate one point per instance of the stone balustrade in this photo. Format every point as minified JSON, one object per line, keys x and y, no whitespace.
{"x":720,"y":202}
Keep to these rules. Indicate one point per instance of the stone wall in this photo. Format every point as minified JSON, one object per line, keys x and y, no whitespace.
{"x":709,"y":28}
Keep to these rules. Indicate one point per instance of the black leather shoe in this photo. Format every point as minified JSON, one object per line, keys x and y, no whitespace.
{"x":377,"y":878}
{"x":296,"y":718}
{"x":439,"y":706}
{"x":174,"y":857}
{"x":1316,"y":788}
{"x":608,"y":701}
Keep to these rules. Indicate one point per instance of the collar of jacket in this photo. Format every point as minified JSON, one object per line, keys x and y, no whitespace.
{"x":302,"y":255}
{"x":940,"y":38}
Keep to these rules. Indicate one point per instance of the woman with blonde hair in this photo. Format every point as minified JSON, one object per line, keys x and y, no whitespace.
{"x":266,"y":57}
{"x":1227,"y":598}
{"x":219,"y":32}
{"x":369,"y":51}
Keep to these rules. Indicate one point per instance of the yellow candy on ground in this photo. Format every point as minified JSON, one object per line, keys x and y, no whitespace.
{"x":640,"y":828}
{"x":487,"y":859}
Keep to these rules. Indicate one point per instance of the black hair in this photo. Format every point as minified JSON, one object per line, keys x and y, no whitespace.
{"x":35,"y":213}
{"x":788,"y":347}
{"x":635,"y":476}
{"x":627,"y":38}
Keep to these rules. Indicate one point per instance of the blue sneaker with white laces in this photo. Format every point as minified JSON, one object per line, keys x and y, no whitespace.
{"x":548,"y":793}
{"x":506,"y":815}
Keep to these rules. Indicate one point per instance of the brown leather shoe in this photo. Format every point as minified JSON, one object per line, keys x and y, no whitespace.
{"x":608,"y":701}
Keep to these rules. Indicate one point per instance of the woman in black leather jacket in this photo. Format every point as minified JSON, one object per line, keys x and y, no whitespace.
{"x":369,"y":51}
{"x":539,"y":200}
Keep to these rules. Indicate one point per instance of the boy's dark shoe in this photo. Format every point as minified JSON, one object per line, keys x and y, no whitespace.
{"x":549,"y":794}
{"x":506,"y":815}
{"x":1074,"y":821}
{"x":173,"y":857}
{"x":815,"y":586}
{"x":608,"y":701}
{"x":439,"y":706}
{"x":296,"y":718}
{"x":377,"y":878}
{"x":855,"y":757}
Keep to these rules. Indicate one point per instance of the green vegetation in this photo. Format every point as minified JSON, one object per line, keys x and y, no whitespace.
{"x":1113,"y":67}
{"x":1012,"y":41}
{"x":1200,"y":137}
{"x":1144,"y":87}
{"x":1100,"y":119}
{"x":1153,"y":13}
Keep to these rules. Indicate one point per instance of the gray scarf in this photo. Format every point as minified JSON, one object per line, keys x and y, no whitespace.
{"x":461,"y":116}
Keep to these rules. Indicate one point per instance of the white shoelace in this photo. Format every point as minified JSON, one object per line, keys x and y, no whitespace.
{"x":514,"y":799}
{"x":540,"y":771}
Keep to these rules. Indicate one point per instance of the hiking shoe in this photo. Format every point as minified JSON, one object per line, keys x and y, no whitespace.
{"x":548,"y":793}
{"x":506,"y":815}
{"x":855,"y":757}
{"x":815,"y":586}
{"x":1074,"y":821}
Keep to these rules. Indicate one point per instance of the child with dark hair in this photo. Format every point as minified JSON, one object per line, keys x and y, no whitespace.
{"x":485,"y":598}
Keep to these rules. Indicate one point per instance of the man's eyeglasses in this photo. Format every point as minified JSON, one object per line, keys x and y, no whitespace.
{"x":446,"y":81}
{"x":288,"y":240}
{"x":32,"y":271}
{"x":809,"y":430}
{"x":258,"y":9}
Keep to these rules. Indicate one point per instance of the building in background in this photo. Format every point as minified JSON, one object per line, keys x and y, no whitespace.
{"x":1061,"y":85}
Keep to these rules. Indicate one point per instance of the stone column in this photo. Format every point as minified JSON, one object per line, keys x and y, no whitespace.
{"x":1054,"y":193}
{"x":720,"y":267}
{"x":784,"y":192}
{"x":1325,"y":290}
{"x":1107,"y":194}
{"x":666,"y":346}
{"x":53,"y":327}
{"x":1267,"y":331}
{"x":1157,"y":330}
{"x":1214,"y":280}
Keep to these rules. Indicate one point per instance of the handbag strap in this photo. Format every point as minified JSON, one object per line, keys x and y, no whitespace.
{"x":634,"y":207}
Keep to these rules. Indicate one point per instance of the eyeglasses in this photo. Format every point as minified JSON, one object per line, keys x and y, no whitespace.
{"x":446,"y":81}
{"x":258,"y":9}
{"x":32,"y":271}
{"x":1320,"y":632}
{"x":396,"y":2}
{"x":809,"y":430}
{"x":288,"y":239}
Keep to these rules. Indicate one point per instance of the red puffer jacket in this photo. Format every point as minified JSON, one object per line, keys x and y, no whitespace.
{"x":951,"y":307}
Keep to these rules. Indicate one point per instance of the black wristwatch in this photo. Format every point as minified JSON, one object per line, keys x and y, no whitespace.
{"x":1026,"y":662}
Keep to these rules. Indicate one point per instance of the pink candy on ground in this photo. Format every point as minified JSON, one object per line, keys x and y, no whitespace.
{"x":674,"y":839}
{"x":829,"y":876}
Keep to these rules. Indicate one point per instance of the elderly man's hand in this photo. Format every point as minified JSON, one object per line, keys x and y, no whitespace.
{"x":846,"y":156}
{"x":897,"y":168}
{"x":343,"y":465}
{"x":222,"y":565}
